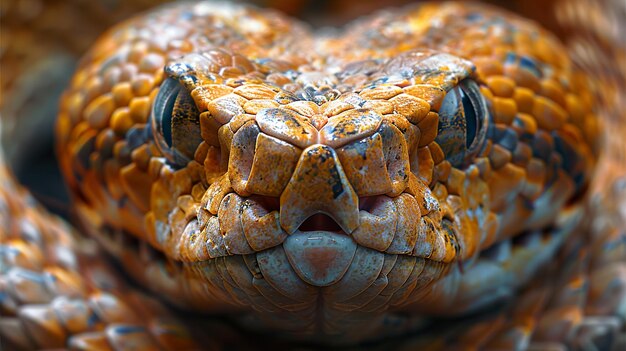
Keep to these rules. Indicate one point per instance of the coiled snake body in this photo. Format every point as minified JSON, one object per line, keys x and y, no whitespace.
{"x":423,"y":163}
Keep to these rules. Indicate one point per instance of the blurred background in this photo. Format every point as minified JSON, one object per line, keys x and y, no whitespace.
{"x":42,"y":40}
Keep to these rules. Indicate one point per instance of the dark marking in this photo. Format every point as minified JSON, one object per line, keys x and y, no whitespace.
{"x":508,"y":140}
{"x":474,"y":17}
{"x":542,"y":146}
{"x":335,"y":182}
{"x":135,"y":137}
{"x":93,"y":319}
{"x":84,"y":152}
{"x":572,"y":163}
{"x":127,"y":329}
{"x":530,"y":65}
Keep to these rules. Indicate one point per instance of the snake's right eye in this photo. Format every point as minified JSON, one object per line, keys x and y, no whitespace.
{"x":463,"y":121}
{"x":175,"y":123}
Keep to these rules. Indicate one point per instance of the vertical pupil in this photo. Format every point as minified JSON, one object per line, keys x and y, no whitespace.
{"x":463,"y":118}
{"x":165,"y":103}
{"x":470,"y":118}
{"x":166,"y":119}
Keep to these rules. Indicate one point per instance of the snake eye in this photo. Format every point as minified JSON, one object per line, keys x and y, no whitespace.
{"x":175,"y":123}
{"x":463,"y":119}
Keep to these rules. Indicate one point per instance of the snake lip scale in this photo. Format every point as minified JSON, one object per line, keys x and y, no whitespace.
{"x":423,"y":161}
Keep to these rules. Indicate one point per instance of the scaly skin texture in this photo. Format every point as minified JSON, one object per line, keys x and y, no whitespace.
{"x":56,"y":289}
{"x":424,"y":162}
{"x":38,"y":55}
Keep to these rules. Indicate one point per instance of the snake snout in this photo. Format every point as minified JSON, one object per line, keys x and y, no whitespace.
{"x":319,"y":185}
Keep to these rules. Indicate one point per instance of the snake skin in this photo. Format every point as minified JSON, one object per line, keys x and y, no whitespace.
{"x":422,"y":165}
{"x":53,"y":286}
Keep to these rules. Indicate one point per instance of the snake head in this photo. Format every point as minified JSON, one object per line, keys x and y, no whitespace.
{"x":233,"y":168}
{"x":329,"y":174}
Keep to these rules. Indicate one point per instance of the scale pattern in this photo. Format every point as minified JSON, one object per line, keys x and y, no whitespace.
{"x":57,"y":290}
{"x":209,"y":145}
{"x":202,"y":154}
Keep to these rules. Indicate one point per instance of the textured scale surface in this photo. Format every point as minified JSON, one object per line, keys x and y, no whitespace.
{"x":282,"y":130}
{"x":423,"y":163}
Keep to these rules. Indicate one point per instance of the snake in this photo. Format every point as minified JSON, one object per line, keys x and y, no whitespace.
{"x":418,"y":178}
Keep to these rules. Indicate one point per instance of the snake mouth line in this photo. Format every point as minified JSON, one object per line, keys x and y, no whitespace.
{"x":246,"y":225}
{"x":323,"y":222}
{"x":320,"y":258}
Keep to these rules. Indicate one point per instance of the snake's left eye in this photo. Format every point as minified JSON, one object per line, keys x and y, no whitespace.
{"x":175,"y":123}
{"x":463,"y":120}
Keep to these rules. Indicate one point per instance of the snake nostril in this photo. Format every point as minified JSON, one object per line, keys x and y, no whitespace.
{"x":366,"y":203}
{"x":269,"y":203}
